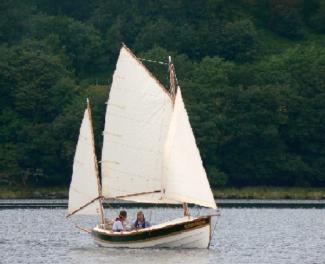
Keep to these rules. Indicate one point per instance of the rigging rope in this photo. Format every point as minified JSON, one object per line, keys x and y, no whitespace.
{"x":162,"y":63}
{"x":153,"y":61}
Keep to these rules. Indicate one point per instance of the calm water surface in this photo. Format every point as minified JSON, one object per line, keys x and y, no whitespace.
{"x":242,"y":235}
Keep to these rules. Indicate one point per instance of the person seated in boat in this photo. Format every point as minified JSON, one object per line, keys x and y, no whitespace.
{"x":118,"y":224}
{"x":140,"y":222}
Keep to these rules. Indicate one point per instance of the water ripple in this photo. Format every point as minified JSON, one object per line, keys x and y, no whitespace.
{"x":241,"y":236}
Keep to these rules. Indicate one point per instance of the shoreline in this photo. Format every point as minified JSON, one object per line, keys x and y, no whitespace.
{"x":114,"y":204}
{"x":270,"y":193}
{"x":244,"y":193}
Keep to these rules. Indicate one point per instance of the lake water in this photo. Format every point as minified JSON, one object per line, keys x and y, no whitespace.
{"x":242,"y":235}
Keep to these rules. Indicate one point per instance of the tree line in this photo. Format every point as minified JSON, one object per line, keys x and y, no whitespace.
{"x":252,"y":75}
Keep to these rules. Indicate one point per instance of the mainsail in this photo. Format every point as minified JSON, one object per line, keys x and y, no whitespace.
{"x":184,"y":178}
{"x":136,"y":124}
{"x":149,"y":152}
{"x":84,"y":185}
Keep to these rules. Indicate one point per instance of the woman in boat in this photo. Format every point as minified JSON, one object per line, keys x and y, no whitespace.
{"x":118,"y":225}
{"x":140,"y":222}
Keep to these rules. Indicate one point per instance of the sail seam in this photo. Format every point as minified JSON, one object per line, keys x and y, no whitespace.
{"x":135,"y":147}
{"x":189,"y":199}
{"x":82,"y":193}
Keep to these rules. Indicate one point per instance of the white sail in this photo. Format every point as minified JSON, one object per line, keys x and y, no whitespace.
{"x":84,"y":183}
{"x":137,"y":119}
{"x":184,"y":178}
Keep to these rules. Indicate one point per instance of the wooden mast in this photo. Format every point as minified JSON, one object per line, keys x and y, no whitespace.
{"x":173,"y":91}
{"x":172,"y":79}
{"x":102,"y":218}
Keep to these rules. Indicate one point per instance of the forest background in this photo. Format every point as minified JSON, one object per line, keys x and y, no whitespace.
{"x":252,"y":74}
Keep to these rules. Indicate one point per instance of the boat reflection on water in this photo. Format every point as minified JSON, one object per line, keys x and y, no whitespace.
{"x":144,"y":256}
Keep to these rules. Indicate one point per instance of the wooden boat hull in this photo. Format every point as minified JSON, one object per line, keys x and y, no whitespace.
{"x":186,"y":232}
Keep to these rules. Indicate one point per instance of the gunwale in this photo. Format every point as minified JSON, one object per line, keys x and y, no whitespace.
{"x":166,"y":229}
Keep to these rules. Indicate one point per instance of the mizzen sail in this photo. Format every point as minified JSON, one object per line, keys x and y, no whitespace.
{"x":136,"y":123}
{"x":184,"y":178}
{"x":84,"y":185}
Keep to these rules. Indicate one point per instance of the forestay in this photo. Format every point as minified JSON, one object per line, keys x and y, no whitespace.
{"x":84,"y":184}
{"x":136,"y":123}
{"x":184,"y":177}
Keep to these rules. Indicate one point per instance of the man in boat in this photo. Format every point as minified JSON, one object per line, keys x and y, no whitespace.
{"x":118,"y":225}
{"x":140,"y":222}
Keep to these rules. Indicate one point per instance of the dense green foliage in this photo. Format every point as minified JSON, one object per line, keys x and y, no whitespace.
{"x":252,"y":74}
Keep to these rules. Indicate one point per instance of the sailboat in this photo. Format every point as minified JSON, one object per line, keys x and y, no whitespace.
{"x":149,"y":155}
